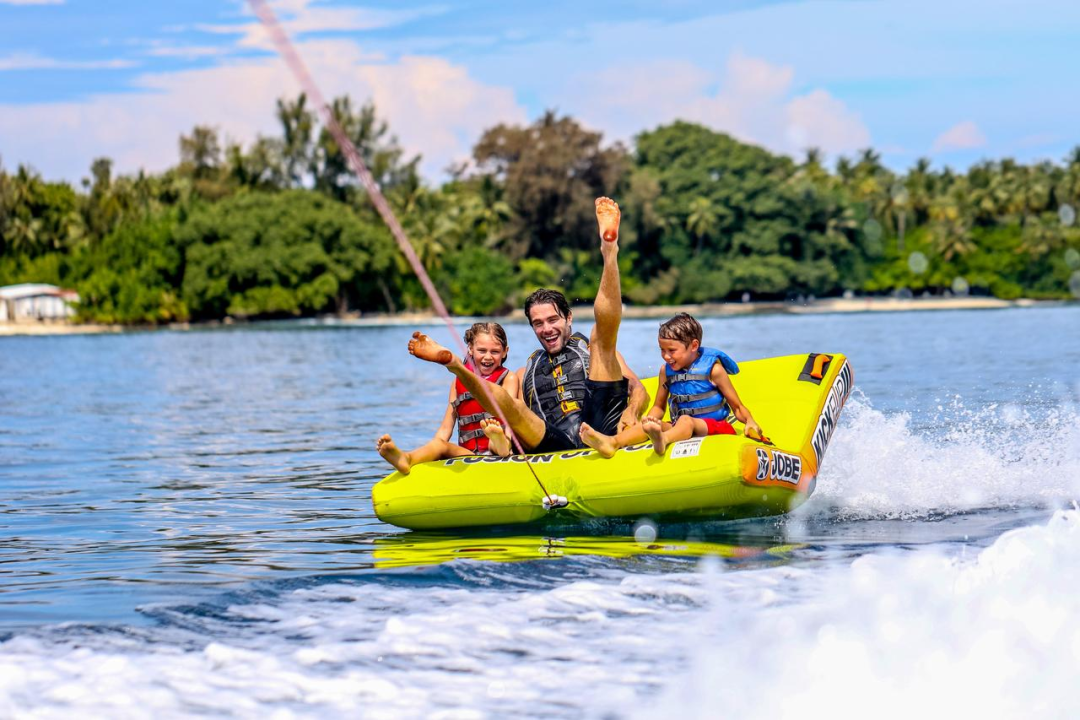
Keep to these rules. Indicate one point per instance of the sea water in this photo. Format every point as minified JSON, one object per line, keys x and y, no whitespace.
{"x":186,"y":529}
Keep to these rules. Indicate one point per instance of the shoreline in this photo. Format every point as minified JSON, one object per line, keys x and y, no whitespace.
{"x":632,"y":312}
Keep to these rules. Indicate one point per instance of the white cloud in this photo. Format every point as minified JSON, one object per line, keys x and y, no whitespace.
{"x":31,"y":61}
{"x":754,"y":102}
{"x":434,"y":107}
{"x":185,"y":52}
{"x":962,"y":136}
{"x":298,"y":17}
{"x":817,"y":119}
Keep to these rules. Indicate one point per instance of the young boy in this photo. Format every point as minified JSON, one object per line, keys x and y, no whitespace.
{"x":694,"y":382}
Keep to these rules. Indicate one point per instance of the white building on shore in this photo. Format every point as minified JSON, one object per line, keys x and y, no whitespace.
{"x":36,"y":301}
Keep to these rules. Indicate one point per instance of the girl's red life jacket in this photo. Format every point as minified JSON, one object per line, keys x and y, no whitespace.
{"x":469,"y":413}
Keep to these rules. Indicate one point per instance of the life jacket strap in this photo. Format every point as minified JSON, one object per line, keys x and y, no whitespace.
{"x":469,"y":435}
{"x":694,"y":412}
{"x":682,"y":377}
{"x":569,"y":394}
{"x":463,"y":397}
{"x":470,"y":419}
{"x":680,"y":399}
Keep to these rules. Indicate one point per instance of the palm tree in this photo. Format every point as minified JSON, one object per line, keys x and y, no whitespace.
{"x":1042,"y":235}
{"x":297,"y":126}
{"x":201,"y":152}
{"x":951,"y":222}
{"x":702,"y":221}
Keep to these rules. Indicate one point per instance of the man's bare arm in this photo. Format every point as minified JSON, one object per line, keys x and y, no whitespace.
{"x":639,"y":397}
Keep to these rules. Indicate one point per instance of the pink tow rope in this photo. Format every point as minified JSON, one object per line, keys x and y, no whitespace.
{"x":296,"y":64}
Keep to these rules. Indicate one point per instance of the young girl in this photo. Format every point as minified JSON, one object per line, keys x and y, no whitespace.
{"x":478,"y":432}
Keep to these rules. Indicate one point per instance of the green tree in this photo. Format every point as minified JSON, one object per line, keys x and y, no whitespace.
{"x":481,"y":281}
{"x":292,"y":253}
{"x":551,"y":173}
{"x":379,"y":150}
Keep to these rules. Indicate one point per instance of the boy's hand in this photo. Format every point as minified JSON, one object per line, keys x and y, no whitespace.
{"x":753,"y":430}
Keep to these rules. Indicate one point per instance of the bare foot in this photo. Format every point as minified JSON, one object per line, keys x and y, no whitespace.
{"x":391,"y":454}
{"x":607,"y":217}
{"x":655,"y":431}
{"x":601,"y":443}
{"x":497,"y":440}
{"x":425,"y":348}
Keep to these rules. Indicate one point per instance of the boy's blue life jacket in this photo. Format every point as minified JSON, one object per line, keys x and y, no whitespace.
{"x":690,"y":392}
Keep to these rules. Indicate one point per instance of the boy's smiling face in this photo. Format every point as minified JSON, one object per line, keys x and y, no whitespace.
{"x":677,"y":354}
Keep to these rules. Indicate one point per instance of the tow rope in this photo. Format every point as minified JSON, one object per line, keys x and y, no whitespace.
{"x":299,"y":70}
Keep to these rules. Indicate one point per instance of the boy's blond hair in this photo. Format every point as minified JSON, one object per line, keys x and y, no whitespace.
{"x":683,"y":328}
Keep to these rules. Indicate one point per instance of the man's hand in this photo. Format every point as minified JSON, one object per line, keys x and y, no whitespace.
{"x":628,"y":419}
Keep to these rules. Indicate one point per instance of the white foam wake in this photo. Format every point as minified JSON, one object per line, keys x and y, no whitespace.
{"x":879,"y":466}
{"x":904,"y":634}
{"x":897,"y":636}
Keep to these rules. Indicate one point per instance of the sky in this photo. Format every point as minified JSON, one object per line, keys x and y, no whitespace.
{"x":956,"y":81}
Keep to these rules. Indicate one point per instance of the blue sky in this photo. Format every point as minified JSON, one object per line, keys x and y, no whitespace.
{"x":953,"y":80}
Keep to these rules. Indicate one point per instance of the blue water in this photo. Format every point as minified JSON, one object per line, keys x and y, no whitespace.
{"x":186,"y":528}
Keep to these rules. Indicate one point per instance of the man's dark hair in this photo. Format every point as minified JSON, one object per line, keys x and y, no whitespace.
{"x":543,"y":296}
{"x":683,"y":328}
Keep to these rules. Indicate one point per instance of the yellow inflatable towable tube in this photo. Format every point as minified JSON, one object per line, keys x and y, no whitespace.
{"x":796,"y":399}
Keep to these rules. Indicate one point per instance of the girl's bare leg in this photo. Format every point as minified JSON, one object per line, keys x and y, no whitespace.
{"x":497,"y":440}
{"x":435,"y":449}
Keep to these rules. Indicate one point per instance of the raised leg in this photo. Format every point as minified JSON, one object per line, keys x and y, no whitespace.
{"x":524,"y":423}
{"x":607,"y":309}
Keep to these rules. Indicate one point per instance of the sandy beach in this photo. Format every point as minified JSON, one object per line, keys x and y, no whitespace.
{"x":55,"y":328}
{"x":584,"y":312}
{"x":808,"y":307}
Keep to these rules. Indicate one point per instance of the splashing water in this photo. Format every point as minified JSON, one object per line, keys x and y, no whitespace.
{"x":880,"y":467}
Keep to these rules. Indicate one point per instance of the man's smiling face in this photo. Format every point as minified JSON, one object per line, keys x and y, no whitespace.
{"x":551,"y":328}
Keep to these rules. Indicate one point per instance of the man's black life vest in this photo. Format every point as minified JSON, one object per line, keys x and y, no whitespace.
{"x":554,"y":385}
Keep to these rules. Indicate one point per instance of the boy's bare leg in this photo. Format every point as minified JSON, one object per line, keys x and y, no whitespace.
{"x":524,"y":423}
{"x":654,"y":430}
{"x":497,"y":440}
{"x":435,"y":449}
{"x":663,"y":434}
{"x":608,"y":445}
{"x":607,"y":309}
{"x":700,"y":428}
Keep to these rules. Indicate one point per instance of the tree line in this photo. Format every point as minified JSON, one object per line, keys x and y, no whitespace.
{"x":280,"y":228}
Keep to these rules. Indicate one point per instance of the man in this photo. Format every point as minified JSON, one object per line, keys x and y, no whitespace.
{"x":571,"y":379}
